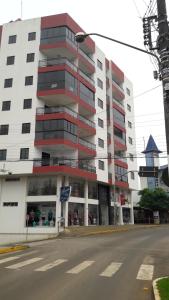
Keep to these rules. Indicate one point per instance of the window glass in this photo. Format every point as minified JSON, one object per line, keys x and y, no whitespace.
{"x":101,"y":164}
{"x":28,"y":80}
{"x":30,"y":57}
{"x":6,"y":105}
{"x":27,"y":103}
{"x":41,"y":186}
{"x":100,"y":123}
{"x":10,"y":60}
{"x":4,"y":129}
{"x":3,"y":153}
{"x":99,"y":83}
{"x":100,"y":103}
{"x":8,"y":82}
{"x":99,"y":64}
{"x":12,"y":39}
{"x":26,"y":127}
{"x":24,"y":153}
{"x":31,"y":36}
{"x":101,"y":143}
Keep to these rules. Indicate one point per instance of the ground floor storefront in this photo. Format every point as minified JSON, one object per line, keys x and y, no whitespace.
{"x":31,"y":206}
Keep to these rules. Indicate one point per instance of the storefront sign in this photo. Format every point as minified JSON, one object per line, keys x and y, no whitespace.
{"x":65,"y":192}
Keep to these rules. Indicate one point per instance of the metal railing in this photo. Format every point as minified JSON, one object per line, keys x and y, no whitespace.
{"x":120,"y":140}
{"x":89,"y":79}
{"x":88,"y":122}
{"x":56,"y":61}
{"x":89,"y":59}
{"x":55,"y":134}
{"x":123,"y":159}
{"x":119,"y":103}
{"x":87,"y":144}
{"x":55,"y":161}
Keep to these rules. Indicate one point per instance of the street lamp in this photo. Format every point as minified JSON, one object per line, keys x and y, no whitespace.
{"x":81,"y":36}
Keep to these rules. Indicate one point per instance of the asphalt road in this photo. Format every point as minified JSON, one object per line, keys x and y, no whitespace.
{"x":115,"y":266}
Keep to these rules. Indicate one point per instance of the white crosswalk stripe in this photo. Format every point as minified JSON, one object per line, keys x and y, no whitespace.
{"x":85,"y":264}
{"x":111,"y":269}
{"x":51,"y":265}
{"x":4,"y":260}
{"x":145,"y":272}
{"x":24,"y":263}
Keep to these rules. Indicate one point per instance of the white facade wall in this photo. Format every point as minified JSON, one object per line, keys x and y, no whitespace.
{"x":18,"y":92}
{"x":102,"y":175}
{"x":130,"y":133}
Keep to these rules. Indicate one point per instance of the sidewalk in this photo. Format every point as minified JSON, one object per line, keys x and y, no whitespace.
{"x":81,"y":231}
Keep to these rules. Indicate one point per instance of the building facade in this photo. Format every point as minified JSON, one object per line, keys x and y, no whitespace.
{"x":64,"y":121}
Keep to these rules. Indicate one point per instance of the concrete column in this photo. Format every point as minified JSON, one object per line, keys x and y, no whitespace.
{"x":66,"y":204}
{"x":58,"y":203}
{"x":121,"y":215}
{"x":86,"y":204}
{"x":131,"y":215}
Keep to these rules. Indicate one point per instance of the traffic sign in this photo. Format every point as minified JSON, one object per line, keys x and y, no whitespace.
{"x":148,"y":171}
{"x":65,"y":192}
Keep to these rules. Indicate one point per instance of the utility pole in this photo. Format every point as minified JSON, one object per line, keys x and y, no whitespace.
{"x":163,"y":50}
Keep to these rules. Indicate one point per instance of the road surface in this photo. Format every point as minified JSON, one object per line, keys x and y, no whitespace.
{"x":115,"y":266}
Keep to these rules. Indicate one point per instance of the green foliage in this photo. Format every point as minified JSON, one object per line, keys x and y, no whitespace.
{"x":156,"y":199}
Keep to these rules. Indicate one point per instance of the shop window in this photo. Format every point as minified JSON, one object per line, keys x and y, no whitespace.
{"x":92,"y":190}
{"x":40,"y":214}
{"x":77,"y":188}
{"x":75,"y":214}
{"x":93,"y":216}
{"x":42,"y":186}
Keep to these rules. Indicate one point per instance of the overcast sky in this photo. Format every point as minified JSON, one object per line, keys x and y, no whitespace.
{"x":120,"y":20}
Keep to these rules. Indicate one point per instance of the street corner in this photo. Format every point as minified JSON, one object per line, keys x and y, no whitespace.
{"x":155,"y":288}
{"x":4,"y":250}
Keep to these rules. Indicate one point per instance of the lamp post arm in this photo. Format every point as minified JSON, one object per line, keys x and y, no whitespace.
{"x":124,"y":44}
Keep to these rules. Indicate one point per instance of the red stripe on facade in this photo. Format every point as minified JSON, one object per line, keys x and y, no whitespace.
{"x":122,"y":111}
{"x":87,"y":106}
{"x":51,"y":142}
{"x":86,"y":63}
{"x":64,"y":45}
{"x":118,"y":145}
{"x":119,"y":127}
{"x":117,"y":92}
{"x":65,"y":67}
{"x":117,"y":72}
{"x":66,"y":20}
{"x":65,"y":169}
{"x":122,"y":184}
{"x":121,"y":164}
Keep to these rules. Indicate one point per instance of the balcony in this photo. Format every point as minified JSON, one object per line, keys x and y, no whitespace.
{"x":86,"y":63}
{"x":67,"y":166}
{"x":87,"y":78}
{"x":119,"y":143}
{"x":51,"y":62}
{"x":119,"y":106}
{"x":121,"y":161}
{"x":64,"y":141}
{"x":117,"y":74}
{"x":121,"y":181}
{"x":85,"y":126}
{"x":118,"y":93}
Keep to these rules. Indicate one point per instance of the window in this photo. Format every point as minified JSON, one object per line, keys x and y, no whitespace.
{"x":130,"y":140}
{"x":101,"y":164}
{"x":3,"y":154}
{"x":128,"y":107}
{"x":132,"y":175}
{"x":131,"y":156}
{"x":6,"y":105}
{"x":27,"y":103}
{"x":4,"y":129}
{"x":31,"y":36}
{"x":12,"y":39}
{"x":100,"y":103}
{"x":129,"y":124}
{"x":101,"y":143}
{"x":30,"y":57}
{"x":10,"y":60}
{"x":26,"y":127}
{"x":10,"y":203}
{"x":99,"y":64}
{"x":128,"y":91}
{"x":100,"y":123}
{"x":28,"y":80}
{"x":8,"y":82}
{"x":41,"y":185}
{"x":24,"y":153}
{"x":99,"y":83}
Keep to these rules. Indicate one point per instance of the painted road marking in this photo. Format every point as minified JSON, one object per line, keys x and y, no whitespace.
{"x":81,"y":267}
{"x":51,"y":265}
{"x":8,"y":259}
{"x":111,"y":269}
{"x":24,"y":263}
{"x":145,"y":272}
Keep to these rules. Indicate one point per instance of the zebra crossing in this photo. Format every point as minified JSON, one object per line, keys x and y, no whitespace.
{"x":144,"y":272}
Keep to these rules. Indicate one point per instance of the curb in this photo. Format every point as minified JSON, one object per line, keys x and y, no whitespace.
{"x":13,"y":249}
{"x":156,"y":292}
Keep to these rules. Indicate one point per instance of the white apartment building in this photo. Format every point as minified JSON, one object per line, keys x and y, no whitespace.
{"x":63,"y":122}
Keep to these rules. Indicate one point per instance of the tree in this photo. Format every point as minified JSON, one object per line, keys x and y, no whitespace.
{"x":154,"y":200}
